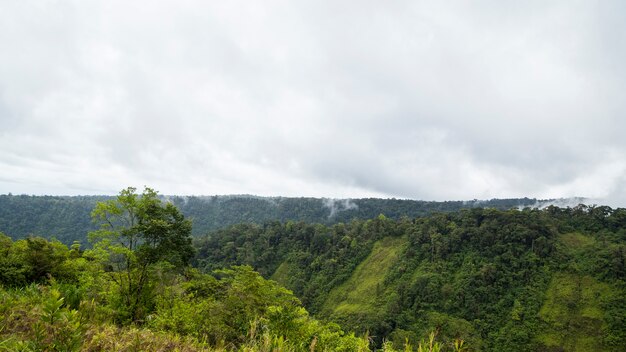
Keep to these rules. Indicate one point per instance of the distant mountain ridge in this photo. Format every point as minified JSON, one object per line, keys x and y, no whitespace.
{"x":67,"y":218}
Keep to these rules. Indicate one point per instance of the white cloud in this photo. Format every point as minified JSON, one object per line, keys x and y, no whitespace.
{"x":428,"y":100}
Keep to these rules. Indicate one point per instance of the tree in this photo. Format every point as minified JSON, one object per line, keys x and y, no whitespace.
{"x":140,"y":236}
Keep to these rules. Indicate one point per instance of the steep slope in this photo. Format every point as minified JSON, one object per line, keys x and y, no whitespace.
{"x":572,"y":315}
{"x":359,"y":295}
{"x":579,"y":310}
{"x":531,"y":280}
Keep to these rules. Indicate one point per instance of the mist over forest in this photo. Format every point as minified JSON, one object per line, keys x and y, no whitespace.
{"x":68,"y":218}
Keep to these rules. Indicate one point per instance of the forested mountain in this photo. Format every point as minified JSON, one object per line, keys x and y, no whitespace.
{"x":474,"y":279}
{"x":68,"y":218}
{"x":134,"y":291}
{"x":64,"y":218}
{"x":530,"y":280}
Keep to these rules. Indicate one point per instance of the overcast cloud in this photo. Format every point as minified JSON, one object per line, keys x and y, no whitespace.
{"x":431,"y":100}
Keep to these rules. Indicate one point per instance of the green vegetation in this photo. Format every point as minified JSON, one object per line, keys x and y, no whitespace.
{"x":140,"y":237}
{"x":482,"y":275}
{"x":473,"y":280}
{"x":133,"y":291}
{"x":361,"y":291}
{"x":573,"y":313}
{"x":67,"y":218}
{"x":234,"y":310}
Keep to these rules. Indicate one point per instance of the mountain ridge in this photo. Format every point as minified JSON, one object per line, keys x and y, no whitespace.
{"x":67,"y":218}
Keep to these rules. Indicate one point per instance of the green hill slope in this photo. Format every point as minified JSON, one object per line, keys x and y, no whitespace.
{"x":361,"y":292}
{"x":532,"y":280}
{"x":573,"y":314}
{"x":580,"y":311}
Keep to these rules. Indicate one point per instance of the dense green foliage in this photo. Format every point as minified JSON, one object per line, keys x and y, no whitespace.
{"x":234,"y":309}
{"x":494,"y":278}
{"x":67,"y":218}
{"x":64,"y":218}
{"x":498,"y":280}
{"x":211,"y":213}
{"x":310,"y":259}
{"x":133,"y":291}
{"x":138,"y":234}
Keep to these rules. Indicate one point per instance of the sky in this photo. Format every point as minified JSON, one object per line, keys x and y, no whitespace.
{"x":431,"y":100}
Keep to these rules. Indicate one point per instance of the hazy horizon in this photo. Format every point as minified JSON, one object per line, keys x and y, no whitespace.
{"x":569,"y":201}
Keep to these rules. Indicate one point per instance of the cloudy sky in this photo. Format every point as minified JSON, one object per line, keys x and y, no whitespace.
{"x":431,"y":100}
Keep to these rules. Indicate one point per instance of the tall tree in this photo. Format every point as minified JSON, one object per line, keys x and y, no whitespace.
{"x":138,"y":235}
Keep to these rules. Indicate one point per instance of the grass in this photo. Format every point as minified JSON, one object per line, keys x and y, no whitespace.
{"x":572,"y":312}
{"x":358,"y":294}
{"x":572,"y":315}
{"x":574,"y":241}
{"x":281,"y":275}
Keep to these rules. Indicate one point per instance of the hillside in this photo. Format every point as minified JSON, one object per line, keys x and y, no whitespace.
{"x":531,"y":280}
{"x":68,"y":218}
{"x":135,"y":291}
{"x":551,"y":279}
